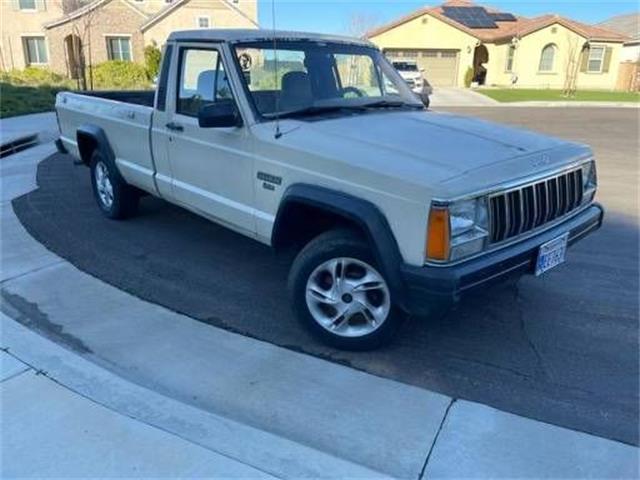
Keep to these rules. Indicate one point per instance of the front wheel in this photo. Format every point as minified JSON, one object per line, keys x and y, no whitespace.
{"x":339,"y":294}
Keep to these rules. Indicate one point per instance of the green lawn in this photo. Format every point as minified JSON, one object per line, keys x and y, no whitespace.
{"x":523,"y":95}
{"x":24,"y":99}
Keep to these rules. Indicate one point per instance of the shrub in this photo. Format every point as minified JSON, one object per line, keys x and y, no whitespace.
{"x":35,"y":76}
{"x":468,"y":77}
{"x":23,"y":99}
{"x":152,"y":56}
{"x":119,"y":75}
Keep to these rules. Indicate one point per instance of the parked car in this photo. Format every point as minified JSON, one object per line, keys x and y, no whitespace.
{"x":393,"y":209}
{"x":414,"y":76}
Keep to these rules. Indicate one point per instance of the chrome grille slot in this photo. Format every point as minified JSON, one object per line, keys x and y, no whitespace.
{"x":522,"y":209}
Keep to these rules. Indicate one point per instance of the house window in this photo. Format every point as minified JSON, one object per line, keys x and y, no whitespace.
{"x":35,"y":50}
{"x":27,"y":4}
{"x":596,"y":59}
{"x":119,"y":48}
{"x":202,"y":22}
{"x":510,"y":55}
{"x":547,"y":58}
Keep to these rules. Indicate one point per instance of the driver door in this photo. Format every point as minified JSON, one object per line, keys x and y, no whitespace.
{"x":212,"y":167}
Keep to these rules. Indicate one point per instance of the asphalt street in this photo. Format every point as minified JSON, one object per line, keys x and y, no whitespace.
{"x":562,"y":348}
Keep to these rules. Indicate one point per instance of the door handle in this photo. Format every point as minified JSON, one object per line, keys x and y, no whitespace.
{"x":175,"y":127}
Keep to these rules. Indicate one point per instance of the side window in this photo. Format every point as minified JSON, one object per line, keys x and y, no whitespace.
{"x":202,"y":80}
{"x":389,"y":87}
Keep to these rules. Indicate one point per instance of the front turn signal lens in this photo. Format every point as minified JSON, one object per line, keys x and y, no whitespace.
{"x":438,"y":234}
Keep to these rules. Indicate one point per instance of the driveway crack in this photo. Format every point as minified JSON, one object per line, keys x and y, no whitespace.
{"x":435,"y":438}
{"x":540,"y":370}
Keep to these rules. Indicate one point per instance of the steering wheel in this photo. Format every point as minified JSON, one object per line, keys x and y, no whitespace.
{"x":356,"y":91}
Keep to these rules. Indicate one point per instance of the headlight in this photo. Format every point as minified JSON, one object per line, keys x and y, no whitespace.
{"x":458,"y":230}
{"x":589,"y":181}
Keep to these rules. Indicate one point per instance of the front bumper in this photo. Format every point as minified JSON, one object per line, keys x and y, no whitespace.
{"x":441,"y":285}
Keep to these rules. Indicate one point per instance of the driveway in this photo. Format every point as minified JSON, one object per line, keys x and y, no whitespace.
{"x":458,"y":97}
{"x":562,"y":348}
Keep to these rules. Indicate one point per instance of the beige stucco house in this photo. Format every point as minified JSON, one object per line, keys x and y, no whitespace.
{"x":503,"y":49}
{"x":47,"y":33}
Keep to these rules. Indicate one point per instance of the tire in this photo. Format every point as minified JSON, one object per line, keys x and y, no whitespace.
{"x":114,"y":197}
{"x":318,"y":299}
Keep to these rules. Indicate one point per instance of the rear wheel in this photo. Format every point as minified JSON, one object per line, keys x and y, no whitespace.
{"x":115,"y":198}
{"x":340,"y":295}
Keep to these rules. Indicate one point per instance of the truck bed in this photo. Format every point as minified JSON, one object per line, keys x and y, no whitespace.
{"x":125,"y":117}
{"x":139,"y":97}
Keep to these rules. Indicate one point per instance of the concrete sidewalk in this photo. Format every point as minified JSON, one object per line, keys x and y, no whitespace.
{"x":459,"y":97}
{"x":51,"y":431}
{"x":127,"y":398}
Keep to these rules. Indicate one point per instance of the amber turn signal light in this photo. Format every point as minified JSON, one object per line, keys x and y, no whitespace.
{"x":438,"y":235}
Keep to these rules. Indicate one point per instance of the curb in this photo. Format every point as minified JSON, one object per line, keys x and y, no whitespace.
{"x":570,"y":104}
{"x":257,"y":448}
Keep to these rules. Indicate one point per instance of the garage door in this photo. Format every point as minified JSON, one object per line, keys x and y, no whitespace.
{"x":440,"y":66}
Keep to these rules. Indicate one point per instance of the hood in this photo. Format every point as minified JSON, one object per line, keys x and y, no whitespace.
{"x":434,"y":149}
{"x":410,"y":75}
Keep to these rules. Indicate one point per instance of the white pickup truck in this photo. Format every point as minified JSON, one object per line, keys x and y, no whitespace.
{"x":414,"y":76}
{"x":315,"y":143}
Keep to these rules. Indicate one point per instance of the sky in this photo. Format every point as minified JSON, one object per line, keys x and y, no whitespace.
{"x":333,"y":16}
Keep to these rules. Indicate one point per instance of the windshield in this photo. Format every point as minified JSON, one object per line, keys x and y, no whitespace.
{"x":312,"y":76}
{"x":406,"y":67}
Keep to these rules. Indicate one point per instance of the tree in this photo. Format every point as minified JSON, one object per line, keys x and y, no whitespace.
{"x":359,"y":23}
{"x":81,"y":30}
{"x":152,"y":57}
{"x":572,"y":65}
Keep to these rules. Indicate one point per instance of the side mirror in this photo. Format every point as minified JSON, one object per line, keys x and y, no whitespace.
{"x":421,"y":70}
{"x":219,"y":114}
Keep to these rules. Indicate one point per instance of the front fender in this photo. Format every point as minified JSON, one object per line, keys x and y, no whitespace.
{"x":362,"y":213}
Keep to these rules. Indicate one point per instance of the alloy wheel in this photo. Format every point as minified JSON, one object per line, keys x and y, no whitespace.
{"x":348,"y":297}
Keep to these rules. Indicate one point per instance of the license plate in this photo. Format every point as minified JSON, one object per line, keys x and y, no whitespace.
{"x":551,"y":254}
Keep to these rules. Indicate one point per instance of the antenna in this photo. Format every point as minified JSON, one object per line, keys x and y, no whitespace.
{"x":278,"y":133}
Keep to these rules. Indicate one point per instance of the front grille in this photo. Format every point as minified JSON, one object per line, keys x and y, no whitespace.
{"x":523,"y":209}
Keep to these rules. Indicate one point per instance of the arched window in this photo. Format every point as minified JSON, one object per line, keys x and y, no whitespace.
{"x":547,"y":58}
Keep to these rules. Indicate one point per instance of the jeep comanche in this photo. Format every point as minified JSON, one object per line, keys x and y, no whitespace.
{"x":315,"y":144}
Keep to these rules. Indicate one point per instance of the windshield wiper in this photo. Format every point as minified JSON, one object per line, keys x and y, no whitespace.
{"x":320,"y":109}
{"x":314,"y":110}
{"x":392,"y":104}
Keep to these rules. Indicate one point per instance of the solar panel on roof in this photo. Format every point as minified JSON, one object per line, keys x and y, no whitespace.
{"x":472,"y":17}
{"x":503,"y":17}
